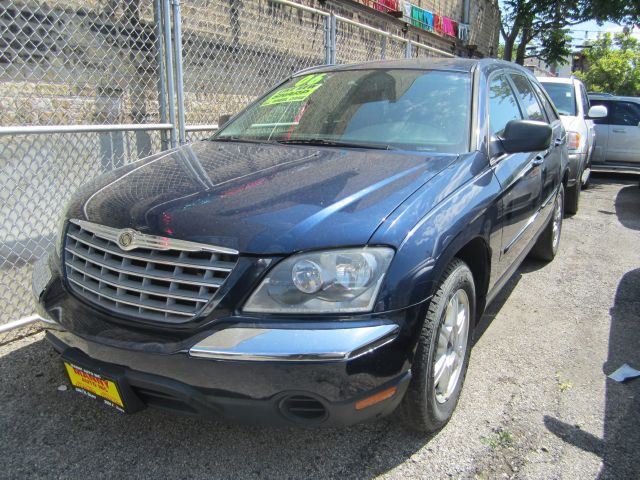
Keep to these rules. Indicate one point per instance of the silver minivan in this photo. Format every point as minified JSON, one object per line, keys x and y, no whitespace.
{"x":618,"y":134}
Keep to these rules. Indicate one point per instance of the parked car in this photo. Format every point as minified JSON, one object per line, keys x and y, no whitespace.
{"x":570,"y":99}
{"x":323,"y":259}
{"x":618,"y":145}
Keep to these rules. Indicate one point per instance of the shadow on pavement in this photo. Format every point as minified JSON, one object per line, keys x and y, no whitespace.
{"x":620,"y":447}
{"x":46,"y":432}
{"x":628,"y":207}
{"x":528,"y":265}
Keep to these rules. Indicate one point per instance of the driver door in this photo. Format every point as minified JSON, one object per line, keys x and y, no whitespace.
{"x":520,"y":175}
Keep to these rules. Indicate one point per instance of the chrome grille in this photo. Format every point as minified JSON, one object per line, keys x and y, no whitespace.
{"x":165,"y":280}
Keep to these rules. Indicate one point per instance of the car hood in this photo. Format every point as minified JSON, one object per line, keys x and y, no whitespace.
{"x":258,"y":198}
{"x":568,"y":121}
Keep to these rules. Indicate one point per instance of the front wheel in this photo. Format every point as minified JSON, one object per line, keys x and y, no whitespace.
{"x":547,"y":244}
{"x":573,"y":197}
{"x":442,"y":355}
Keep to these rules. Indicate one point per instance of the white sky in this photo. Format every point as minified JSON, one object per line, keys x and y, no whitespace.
{"x":589,"y":30}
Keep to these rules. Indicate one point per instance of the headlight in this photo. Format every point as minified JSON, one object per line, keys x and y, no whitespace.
{"x":333,"y":281}
{"x":573,"y":140}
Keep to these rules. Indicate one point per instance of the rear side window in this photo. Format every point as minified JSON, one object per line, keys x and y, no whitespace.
{"x":503,"y":105}
{"x":625,"y":113}
{"x":532,"y":107}
{"x":603,"y":120}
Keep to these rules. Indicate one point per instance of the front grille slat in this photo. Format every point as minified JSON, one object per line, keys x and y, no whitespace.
{"x":124,"y":298}
{"x":142,"y":272}
{"x":133,"y":286}
{"x":103,"y":245}
{"x":168,"y":285}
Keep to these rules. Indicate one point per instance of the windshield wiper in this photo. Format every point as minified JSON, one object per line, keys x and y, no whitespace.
{"x":238,"y":139}
{"x":336,"y":143}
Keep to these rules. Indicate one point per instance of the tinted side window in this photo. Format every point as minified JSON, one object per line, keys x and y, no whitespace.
{"x":603,"y":120}
{"x":532,"y":108}
{"x":625,"y":113}
{"x":546,"y":103}
{"x":503,"y":105}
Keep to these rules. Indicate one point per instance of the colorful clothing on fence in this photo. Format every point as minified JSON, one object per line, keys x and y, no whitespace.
{"x":421,"y":18}
{"x":437,"y":24}
{"x":463,"y":32}
{"x":385,"y":5}
{"x":448,"y":27}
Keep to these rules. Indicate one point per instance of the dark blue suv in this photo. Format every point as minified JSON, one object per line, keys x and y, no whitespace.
{"x":323,"y":259}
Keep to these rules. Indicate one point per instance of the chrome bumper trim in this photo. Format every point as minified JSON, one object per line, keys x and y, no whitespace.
{"x":293,"y":345}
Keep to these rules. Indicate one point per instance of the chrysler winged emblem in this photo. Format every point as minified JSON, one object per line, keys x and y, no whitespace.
{"x":125,"y":239}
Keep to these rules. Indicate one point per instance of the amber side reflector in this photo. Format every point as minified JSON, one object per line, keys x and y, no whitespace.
{"x":377,"y":398}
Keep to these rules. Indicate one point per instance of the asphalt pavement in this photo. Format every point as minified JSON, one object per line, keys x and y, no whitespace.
{"x":536,"y":403}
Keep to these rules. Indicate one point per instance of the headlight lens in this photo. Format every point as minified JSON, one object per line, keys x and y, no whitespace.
{"x":307,"y":276}
{"x":332,"y":281}
{"x":573,"y":140}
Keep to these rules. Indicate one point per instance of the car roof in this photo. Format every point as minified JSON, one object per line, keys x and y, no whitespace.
{"x":608,"y":96}
{"x":430,"y":63}
{"x":565,"y":80}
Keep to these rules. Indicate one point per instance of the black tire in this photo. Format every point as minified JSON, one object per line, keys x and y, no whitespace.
{"x":547,"y":245}
{"x":572,"y":200}
{"x":423,"y":408}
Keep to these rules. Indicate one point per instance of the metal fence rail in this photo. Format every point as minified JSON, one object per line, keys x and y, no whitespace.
{"x":90,"y":85}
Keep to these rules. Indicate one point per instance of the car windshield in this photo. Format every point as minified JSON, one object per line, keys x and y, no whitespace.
{"x":563,"y":97}
{"x":398,"y":109}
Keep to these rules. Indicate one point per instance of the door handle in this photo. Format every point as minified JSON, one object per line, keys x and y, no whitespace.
{"x":619,"y":130}
{"x":536,"y":162}
{"x":558,"y":142}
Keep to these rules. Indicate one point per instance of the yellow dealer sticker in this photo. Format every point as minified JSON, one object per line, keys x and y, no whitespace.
{"x":92,"y":383}
{"x":300,"y":90}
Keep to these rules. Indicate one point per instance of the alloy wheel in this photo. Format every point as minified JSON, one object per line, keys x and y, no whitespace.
{"x":557,"y":221}
{"x":451,"y":349}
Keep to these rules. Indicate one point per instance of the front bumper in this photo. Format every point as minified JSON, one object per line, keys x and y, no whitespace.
{"x":576,"y":164}
{"x":146,"y":389}
{"x":243,"y":369}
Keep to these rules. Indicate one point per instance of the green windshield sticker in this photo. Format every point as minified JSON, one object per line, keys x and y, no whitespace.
{"x":300,"y":90}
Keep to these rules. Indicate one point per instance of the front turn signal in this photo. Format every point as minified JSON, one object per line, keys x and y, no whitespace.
{"x":573,"y":140}
{"x":377,"y":398}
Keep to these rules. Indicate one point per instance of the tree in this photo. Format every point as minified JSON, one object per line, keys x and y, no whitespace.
{"x":613,"y":65}
{"x":545,"y":23}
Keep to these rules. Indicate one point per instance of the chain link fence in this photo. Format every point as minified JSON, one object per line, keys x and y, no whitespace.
{"x":90,"y":85}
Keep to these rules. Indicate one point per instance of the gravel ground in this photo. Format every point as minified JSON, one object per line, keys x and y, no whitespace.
{"x":536,"y":403}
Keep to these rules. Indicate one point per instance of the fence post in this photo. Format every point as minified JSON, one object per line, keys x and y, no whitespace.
{"x":383,"y":48}
{"x":407,"y":50}
{"x":177,"y":28}
{"x":326,"y":28}
{"x":333,"y":37}
{"x":166,"y":21}
{"x":162,"y":92}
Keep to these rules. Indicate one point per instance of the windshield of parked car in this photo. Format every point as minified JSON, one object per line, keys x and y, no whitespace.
{"x":399,"y":109}
{"x":563,"y":97}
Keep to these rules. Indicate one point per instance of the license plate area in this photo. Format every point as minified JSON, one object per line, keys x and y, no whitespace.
{"x":103,"y":382}
{"x":95,"y":386}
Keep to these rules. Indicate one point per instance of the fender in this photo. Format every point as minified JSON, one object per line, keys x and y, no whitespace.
{"x":467,"y":209}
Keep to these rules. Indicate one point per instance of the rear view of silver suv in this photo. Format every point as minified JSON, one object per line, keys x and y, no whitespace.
{"x":570,"y":99}
{"x":618,"y":145}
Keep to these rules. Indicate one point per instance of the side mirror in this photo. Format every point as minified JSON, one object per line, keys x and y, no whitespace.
{"x":222,"y":119}
{"x":526,"y":136}
{"x":597,"y":111}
